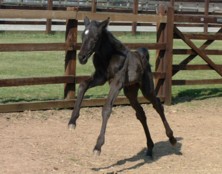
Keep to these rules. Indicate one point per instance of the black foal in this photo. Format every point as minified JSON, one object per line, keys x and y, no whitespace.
{"x":123,"y":69}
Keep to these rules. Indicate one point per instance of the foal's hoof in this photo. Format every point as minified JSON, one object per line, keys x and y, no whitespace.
{"x":149,"y":153}
{"x":173,"y":141}
{"x":96,"y":152}
{"x":71,"y":126}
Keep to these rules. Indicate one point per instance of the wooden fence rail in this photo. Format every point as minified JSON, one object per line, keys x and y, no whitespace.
{"x":64,"y":46}
{"x":79,"y":15}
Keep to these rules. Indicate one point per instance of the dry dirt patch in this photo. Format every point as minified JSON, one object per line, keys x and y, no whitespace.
{"x":39,"y":142}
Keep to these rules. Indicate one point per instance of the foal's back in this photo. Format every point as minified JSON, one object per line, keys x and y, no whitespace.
{"x":122,"y":62}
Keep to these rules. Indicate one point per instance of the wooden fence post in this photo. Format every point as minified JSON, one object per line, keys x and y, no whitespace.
{"x":164,"y":57}
{"x":70,"y":57}
{"x":168,"y":57}
{"x":160,"y":53}
{"x":206,"y":12}
{"x":172,"y":2}
{"x":94,"y":3}
{"x":49,"y":21}
{"x":135,"y":11}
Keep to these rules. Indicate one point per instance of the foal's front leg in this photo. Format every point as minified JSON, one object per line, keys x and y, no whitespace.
{"x":115,"y":88}
{"x":83,"y":87}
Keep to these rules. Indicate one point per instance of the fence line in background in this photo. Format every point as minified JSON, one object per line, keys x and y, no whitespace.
{"x":135,"y":7}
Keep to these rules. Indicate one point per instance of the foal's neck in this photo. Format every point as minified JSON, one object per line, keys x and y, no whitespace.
{"x":111,"y":44}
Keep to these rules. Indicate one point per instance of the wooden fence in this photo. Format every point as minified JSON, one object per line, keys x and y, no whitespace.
{"x":167,"y":30}
{"x":195,"y":51}
{"x":70,"y":47}
{"x":206,"y":7}
{"x":208,"y":20}
{"x":92,"y":6}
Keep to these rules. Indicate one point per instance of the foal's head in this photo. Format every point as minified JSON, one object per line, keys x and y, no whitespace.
{"x":91,"y":38}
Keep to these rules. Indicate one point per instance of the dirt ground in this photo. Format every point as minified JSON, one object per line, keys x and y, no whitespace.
{"x":39,"y":141}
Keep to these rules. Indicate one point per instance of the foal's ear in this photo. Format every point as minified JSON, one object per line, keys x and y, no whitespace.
{"x":104,"y":23}
{"x":86,"y":21}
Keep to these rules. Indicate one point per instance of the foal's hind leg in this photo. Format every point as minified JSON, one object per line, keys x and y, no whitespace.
{"x":131,"y":93}
{"x":149,"y":93}
{"x":159,"y":108}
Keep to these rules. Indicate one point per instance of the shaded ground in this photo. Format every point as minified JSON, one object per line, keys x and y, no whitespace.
{"x":39,"y":142}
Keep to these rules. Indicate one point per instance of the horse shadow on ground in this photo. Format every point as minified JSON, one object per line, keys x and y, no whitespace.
{"x":197,"y":94}
{"x":161,"y":149}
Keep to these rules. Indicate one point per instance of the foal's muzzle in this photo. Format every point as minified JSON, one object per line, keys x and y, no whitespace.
{"x":84,"y":57}
{"x":85,"y":54}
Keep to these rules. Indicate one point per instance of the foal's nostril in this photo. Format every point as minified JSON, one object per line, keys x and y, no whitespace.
{"x":80,"y":56}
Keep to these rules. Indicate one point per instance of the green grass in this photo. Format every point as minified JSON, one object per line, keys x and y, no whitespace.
{"x":31,"y":64}
{"x":35,"y":64}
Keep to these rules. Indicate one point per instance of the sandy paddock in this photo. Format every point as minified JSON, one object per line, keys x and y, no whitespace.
{"x":39,"y":141}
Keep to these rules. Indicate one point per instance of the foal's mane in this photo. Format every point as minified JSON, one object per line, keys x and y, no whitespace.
{"x":116,"y":44}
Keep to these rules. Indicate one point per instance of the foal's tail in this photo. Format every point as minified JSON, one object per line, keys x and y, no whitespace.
{"x":144,"y":53}
{"x":145,"y":56}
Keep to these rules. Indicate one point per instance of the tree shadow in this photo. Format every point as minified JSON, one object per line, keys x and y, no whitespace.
{"x":197,"y":94}
{"x":161,"y":149}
